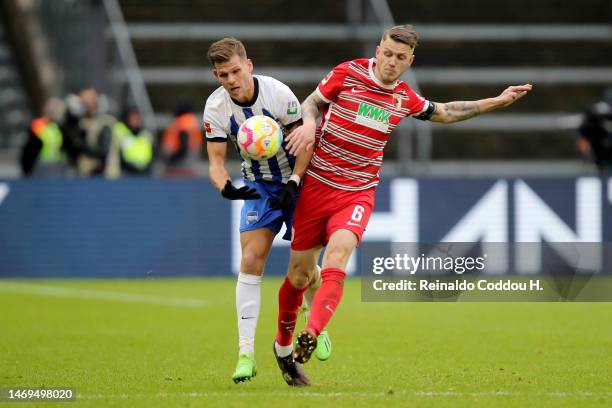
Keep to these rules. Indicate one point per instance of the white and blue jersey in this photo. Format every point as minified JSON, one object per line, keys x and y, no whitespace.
{"x":223,"y":116}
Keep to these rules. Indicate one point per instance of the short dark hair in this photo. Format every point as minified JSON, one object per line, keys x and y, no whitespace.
{"x":223,"y":50}
{"x":402,"y":33}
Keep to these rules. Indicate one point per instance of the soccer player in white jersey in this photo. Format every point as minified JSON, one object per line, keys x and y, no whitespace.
{"x":270,"y":190}
{"x":361,"y":102}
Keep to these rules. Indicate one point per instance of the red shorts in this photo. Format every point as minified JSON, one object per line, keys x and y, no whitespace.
{"x":321,"y":210}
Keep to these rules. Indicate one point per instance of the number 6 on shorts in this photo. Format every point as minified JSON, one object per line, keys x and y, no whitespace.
{"x":357,"y":213}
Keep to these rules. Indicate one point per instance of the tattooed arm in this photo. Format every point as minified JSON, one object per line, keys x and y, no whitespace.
{"x":452,"y":112}
{"x":303,"y":137}
{"x":312,"y":107}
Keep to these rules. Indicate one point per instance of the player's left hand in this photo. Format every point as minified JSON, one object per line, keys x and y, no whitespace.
{"x":243,"y":193}
{"x":287,"y":197}
{"x":513,"y":94}
{"x":301,"y":138}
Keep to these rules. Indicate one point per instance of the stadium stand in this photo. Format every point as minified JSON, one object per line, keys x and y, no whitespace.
{"x":565,"y":50}
{"x":14,"y":110}
{"x":566,"y":54}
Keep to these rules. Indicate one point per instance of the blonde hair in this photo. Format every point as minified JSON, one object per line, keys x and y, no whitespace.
{"x":402,"y":33}
{"x":223,"y":50}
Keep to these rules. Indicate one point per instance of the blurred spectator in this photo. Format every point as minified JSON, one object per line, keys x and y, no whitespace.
{"x":87,"y":129}
{"x":596,"y":132}
{"x":98,"y":127}
{"x":74,"y":140}
{"x":182,"y":142}
{"x":43,"y":154}
{"x":133,"y":144}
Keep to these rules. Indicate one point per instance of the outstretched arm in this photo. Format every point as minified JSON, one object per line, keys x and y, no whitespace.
{"x":217,"y":153}
{"x":452,"y":112}
{"x":303,"y":137}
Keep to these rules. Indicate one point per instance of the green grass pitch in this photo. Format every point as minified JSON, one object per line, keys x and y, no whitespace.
{"x":172,"y":343}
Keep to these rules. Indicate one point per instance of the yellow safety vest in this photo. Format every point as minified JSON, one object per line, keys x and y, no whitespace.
{"x":135,"y":149}
{"x":51,"y":138}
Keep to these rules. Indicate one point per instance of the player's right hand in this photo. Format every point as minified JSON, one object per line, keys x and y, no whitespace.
{"x":287,"y":197}
{"x":243,"y":193}
{"x":301,"y":138}
{"x":513,"y":94}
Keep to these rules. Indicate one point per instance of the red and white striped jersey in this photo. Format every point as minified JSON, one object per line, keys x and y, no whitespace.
{"x":356,"y":125}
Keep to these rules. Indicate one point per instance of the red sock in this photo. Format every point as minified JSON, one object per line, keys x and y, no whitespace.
{"x":289,"y":301}
{"x":326,"y":299}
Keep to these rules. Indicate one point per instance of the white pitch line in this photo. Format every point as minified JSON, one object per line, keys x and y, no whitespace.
{"x":561,"y":394}
{"x":88,"y":294}
{"x":226,"y":394}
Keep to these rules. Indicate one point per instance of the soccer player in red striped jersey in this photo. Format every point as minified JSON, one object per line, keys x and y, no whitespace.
{"x":361,"y":101}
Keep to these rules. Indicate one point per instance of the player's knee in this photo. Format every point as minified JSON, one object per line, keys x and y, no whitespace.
{"x":252,"y":262}
{"x":299,"y":275}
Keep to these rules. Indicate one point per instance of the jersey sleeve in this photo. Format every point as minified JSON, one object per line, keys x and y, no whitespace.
{"x":420,"y":108}
{"x":332,"y":84}
{"x":213,"y":127}
{"x":288,"y":109}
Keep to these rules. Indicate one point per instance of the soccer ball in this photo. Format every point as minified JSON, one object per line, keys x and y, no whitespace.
{"x":259,"y":138}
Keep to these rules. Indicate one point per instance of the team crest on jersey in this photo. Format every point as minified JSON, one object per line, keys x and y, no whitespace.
{"x":398,"y":99}
{"x":251,"y":217}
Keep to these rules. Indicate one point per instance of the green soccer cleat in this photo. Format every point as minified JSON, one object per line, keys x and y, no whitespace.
{"x":246,"y":368}
{"x":324,"y":347}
